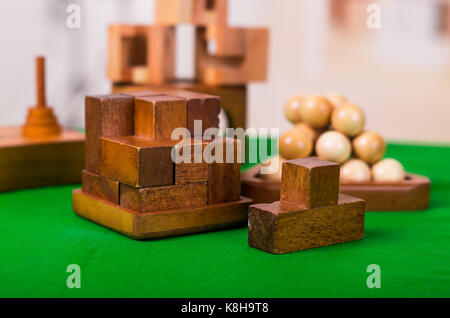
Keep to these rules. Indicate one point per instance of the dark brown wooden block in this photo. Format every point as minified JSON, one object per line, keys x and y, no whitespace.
{"x":100,"y":187}
{"x":411,"y":194}
{"x":200,"y":107}
{"x":106,"y":116}
{"x":281,"y":227}
{"x":138,"y":162}
{"x":39,"y":161}
{"x":196,"y":169}
{"x":163,"y":198}
{"x":157,"y":116}
{"x":311,"y":182}
{"x":151,"y":225}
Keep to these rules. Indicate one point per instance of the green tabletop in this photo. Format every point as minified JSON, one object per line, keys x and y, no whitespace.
{"x":40,"y":236}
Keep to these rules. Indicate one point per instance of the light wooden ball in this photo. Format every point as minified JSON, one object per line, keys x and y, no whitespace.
{"x":275,"y":176}
{"x":369,"y":146}
{"x":294,"y":144}
{"x":336,"y":99}
{"x":291,"y":108}
{"x":333,"y":146}
{"x":388,"y":170}
{"x":316,"y":111}
{"x":313,"y":134}
{"x":348,"y":119}
{"x":355,"y":170}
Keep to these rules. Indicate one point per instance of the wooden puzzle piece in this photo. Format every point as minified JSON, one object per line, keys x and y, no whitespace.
{"x":143,"y":53}
{"x":158,"y":116}
{"x":197,"y":12}
{"x":196,"y":170}
{"x":310,"y":182}
{"x":221,"y":69}
{"x":281,"y":227}
{"x":106,"y":116}
{"x":100,"y":187}
{"x":152,"y":225}
{"x":163,"y":198}
{"x":138,"y":162}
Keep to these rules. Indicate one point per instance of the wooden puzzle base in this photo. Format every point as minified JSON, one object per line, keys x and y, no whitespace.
{"x":39,"y":161}
{"x":409,"y":195}
{"x":141,"y":226}
{"x":281,"y":227}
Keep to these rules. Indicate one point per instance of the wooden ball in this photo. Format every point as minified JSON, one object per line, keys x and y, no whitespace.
{"x":316,"y":111}
{"x":276,"y":175}
{"x":333,"y":146}
{"x":291,"y":108}
{"x":369,"y":146}
{"x":355,"y":170}
{"x":313,"y":134}
{"x":335,"y":99}
{"x":294,"y":144}
{"x":348,"y":119}
{"x":388,"y":170}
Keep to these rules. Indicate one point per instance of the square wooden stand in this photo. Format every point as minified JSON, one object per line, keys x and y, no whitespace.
{"x":41,"y":161}
{"x":409,"y":195}
{"x":141,"y":226}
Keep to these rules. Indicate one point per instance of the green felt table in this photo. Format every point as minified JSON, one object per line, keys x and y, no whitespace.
{"x":40,"y":236}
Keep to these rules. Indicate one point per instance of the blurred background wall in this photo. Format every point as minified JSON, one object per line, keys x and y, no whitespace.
{"x":398,"y":73}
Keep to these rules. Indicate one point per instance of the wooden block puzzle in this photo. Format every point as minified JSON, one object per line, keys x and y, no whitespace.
{"x":287,"y":226}
{"x":41,"y":152}
{"x":197,"y":12}
{"x":411,"y":194}
{"x":139,"y":190}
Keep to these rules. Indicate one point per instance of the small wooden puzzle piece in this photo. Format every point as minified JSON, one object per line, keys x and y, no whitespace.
{"x":157,"y":117}
{"x":100,"y":187}
{"x":311,"y":182}
{"x":197,"y":12}
{"x":221,"y":63}
{"x":142,"y":53}
{"x":106,"y":116}
{"x":196,"y":169}
{"x":163,"y":198}
{"x":138,"y":162}
{"x":311,"y":212}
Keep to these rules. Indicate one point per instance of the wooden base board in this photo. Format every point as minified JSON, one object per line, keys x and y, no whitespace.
{"x":409,"y":195}
{"x":39,"y":161}
{"x":141,"y":226}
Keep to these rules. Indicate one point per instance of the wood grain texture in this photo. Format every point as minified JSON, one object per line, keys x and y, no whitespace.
{"x":220,"y":70}
{"x":195,"y":169}
{"x":234,"y":98}
{"x":282,"y":227}
{"x":202,"y":107}
{"x":100,"y":187}
{"x":311,"y":182}
{"x":151,"y":225}
{"x":157,"y":117}
{"x":411,"y":194}
{"x":163,"y":198}
{"x":106,"y":116}
{"x":39,"y":161}
{"x":136,"y":161}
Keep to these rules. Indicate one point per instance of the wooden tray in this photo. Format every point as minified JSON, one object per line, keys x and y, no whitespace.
{"x":411,"y":194}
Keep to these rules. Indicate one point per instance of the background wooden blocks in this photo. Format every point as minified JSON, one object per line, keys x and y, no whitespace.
{"x":197,"y":12}
{"x":311,"y":182}
{"x":219,"y":70}
{"x":39,"y":161}
{"x":282,"y":227}
{"x":136,"y":161}
{"x":163,"y":198}
{"x":106,"y":116}
{"x":140,"y":52}
{"x":100,"y":187}
{"x":308,"y":219}
{"x":156,"y":117}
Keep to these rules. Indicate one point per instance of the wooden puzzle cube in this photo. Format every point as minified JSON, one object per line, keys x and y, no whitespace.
{"x":311,"y":212}
{"x":139,"y":175}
